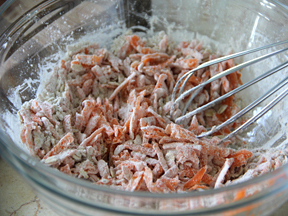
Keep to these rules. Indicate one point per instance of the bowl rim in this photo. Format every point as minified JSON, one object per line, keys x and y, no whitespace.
{"x":34,"y":162}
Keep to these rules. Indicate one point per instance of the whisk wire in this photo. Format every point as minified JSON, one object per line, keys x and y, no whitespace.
{"x":227,"y":72}
{"x":193,"y":92}
{"x":224,"y":58}
{"x":264,"y":110}
{"x":234,"y":91}
{"x":247,"y":108}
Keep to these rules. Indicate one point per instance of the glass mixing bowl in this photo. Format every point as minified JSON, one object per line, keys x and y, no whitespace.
{"x":33,"y":38}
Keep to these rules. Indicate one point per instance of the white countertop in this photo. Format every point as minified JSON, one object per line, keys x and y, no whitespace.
{"x":17,"y":197}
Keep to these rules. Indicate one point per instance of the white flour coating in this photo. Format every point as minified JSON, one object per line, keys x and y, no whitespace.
{"x":44,"y":71}
{"x":74,"y":127}
{"x":177,"y":35}
{"x":260,"y":134}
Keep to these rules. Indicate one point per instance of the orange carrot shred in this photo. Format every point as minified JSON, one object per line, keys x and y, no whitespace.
{"x":196,"y":179}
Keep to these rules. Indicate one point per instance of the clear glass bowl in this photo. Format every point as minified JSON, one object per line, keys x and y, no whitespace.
{"x":36,"y":32}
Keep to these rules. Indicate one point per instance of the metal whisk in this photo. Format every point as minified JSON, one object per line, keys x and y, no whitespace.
{"x":195,"y":90}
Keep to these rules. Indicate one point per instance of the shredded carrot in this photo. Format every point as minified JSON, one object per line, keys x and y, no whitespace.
{"x":196,"y":179}
{"x":107,"y":118}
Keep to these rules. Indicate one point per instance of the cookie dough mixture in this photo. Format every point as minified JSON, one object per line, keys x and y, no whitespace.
{"x":105,"y":116}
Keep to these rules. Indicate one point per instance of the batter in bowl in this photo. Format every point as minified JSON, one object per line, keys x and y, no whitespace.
{"x":104,"y":116}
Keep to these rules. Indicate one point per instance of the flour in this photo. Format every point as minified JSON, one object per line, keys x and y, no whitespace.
{"x":57,"y":92}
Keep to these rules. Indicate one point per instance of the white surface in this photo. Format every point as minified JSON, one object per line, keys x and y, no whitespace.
{"x":17,"y":197}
